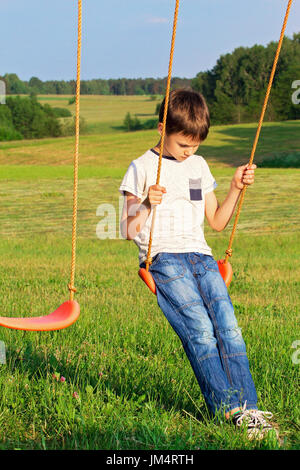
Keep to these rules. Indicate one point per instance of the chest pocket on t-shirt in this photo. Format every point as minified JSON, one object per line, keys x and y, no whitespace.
{"x":195,"y":189}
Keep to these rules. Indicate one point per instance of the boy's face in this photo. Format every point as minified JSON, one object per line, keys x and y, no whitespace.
{"x":179,"y":146}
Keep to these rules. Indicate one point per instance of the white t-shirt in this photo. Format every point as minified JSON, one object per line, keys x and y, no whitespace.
{"x":179,"y":222}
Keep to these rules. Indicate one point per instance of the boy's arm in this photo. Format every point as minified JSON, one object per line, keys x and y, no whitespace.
{"x":217,"y":215}
{"x":135,"y":213}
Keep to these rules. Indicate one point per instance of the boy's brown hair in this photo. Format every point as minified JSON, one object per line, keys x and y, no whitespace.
{"x":188,"y":114}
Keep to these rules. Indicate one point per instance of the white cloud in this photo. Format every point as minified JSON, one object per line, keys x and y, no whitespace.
{"x":157,"y":20}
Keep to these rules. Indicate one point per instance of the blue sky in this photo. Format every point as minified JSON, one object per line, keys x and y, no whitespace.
{"x":131,"y":38}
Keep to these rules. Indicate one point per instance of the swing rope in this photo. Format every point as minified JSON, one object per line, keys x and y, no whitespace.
{"x":228,"y":252}
{"x":149,"y":259}
{"x":71,"y":286}
{"x":68,"y":312}
{"x":229,"y":249}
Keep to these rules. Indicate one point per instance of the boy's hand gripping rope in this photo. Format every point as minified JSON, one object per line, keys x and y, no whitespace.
{"x":229,"y":249}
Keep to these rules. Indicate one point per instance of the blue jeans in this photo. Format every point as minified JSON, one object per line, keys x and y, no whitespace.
{"x":194,"y":299}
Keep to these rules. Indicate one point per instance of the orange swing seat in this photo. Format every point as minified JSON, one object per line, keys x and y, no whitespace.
{"x":65,"y":315}
{"x":68,"y":312}
{"x":225,"y":269}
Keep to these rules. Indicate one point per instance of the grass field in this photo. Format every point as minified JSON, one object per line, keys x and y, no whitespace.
{"x":105,"y":114}
{"x":118,"y":378}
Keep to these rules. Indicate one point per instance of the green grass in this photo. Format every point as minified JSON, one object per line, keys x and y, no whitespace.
{"x":128,"y":384}
{"x":105,"y":114}
{"x":49,"y":190}
{"x":135,"y":387}
{"x":287,"y":160}
{"x":225,"y":146}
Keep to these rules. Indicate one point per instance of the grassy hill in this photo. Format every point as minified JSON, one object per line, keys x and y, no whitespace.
{"x":128,"y":384}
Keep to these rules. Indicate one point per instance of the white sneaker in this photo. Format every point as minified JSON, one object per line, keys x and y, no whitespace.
{"x":257,"y":426}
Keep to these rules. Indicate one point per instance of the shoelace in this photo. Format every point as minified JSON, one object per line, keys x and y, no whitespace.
{"x":255,"y":418}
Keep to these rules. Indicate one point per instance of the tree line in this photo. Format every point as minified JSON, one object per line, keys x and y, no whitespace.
{"x":120,"y":86}
{"x":234,"y":89}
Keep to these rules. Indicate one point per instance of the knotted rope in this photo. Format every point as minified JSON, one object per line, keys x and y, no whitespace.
{"x":71,"y":287}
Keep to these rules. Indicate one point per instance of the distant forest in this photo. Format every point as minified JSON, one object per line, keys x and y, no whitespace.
{"x":234,"y":88}
{"x":119,"y":86}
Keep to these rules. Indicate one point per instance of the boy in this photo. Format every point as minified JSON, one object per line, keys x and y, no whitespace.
{"x":190,"y":290}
